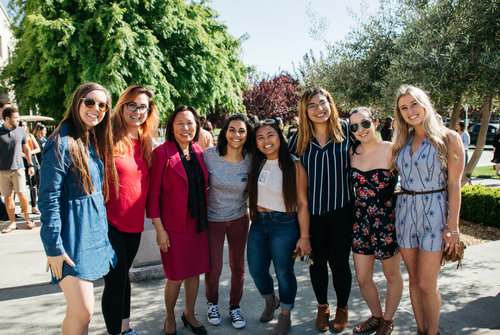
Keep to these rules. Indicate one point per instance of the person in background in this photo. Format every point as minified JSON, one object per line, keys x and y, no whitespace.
{"x":208,"y":127}
{"x":3,"y":104}
{"x":3,"y":211}
{"x":427,"y":213}
{"x":134,"y":121}
{"x":496,"y":153}
{"x":293,"y":128}
{"x":277,"y":193}
{"x":205,"y":138}
{"x":40,"y":133}
{"x":374,"y":234}
{"x":253,"y":118}
{"x":177,"y":205}
{"x":13,"y":141}
{"x":279,"y":122}
{"x":387,"y":130}
{"x":322,"y":143}
{"x":228,"y":165}
{"x":464,"y":135}
{"x":33,"y":180}
{"x":77,"y":165}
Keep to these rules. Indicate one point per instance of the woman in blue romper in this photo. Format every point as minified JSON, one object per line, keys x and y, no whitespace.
{"x":77,"y":159}
{"x":425,"y":223}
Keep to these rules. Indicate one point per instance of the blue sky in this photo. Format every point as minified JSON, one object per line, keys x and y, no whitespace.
{"x":279,"y":29}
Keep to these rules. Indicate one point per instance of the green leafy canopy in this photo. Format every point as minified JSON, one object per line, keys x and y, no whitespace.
{"x":178,"y":49}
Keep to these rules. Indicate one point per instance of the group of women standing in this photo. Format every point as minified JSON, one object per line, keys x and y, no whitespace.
{"x":328,"y":191}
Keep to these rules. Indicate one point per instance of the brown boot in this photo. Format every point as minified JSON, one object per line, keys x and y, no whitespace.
{"x":340,"y":321}
{"x":323,"y":318}
{"x":271,"y":305}
{"x":283,"y":326}
{"x":385,"y":327}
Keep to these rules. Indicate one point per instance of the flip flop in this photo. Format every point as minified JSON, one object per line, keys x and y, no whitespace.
{"x":9,"y":229}
{"x":31,"y":224}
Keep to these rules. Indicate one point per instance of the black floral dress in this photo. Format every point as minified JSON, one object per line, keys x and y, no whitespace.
{"x":374,"y":207}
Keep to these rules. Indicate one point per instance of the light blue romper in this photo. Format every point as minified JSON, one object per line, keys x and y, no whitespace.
{"x":420,"y":219}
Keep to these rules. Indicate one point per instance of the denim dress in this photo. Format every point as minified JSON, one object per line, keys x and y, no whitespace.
{"x":73,"y":222}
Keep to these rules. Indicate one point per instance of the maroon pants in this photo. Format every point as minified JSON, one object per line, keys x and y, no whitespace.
{"x":237,"y":232}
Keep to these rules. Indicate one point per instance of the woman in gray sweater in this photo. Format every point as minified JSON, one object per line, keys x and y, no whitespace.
{"x":228,"y":164}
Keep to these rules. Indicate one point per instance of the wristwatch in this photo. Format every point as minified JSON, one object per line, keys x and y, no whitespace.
{"x":30,"y":165}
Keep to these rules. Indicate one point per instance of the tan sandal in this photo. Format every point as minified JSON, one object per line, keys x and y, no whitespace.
{"x":9,"y":228}
{"x":31,"y":224}
{"x":368,"y":325}
{"x":385,"y":327}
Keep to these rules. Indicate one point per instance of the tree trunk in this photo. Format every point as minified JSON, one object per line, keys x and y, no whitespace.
{"x":481,"y":139}
{"x":455,"y":113}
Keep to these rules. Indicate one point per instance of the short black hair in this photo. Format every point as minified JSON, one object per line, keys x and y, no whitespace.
{"x":8,"y":111}
{"x":170,"y":122}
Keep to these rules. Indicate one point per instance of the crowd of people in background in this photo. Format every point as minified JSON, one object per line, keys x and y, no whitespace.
{"x":315,"y":192}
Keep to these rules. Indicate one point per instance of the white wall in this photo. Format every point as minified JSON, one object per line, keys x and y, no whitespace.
{"x":7,"y":41}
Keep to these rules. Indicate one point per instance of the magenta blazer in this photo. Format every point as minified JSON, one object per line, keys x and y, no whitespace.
{"x":168,"y":186}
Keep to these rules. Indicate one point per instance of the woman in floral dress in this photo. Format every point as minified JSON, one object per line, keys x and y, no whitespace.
{"x":374,"y":235}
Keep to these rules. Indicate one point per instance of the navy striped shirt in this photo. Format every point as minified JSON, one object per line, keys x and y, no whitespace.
{"x":327,"y":172}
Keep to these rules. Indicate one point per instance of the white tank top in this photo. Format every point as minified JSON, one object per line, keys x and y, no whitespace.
{"x":269,"y":185}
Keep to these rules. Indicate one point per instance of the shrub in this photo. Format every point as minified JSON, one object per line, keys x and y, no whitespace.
{"x":481,"y":204}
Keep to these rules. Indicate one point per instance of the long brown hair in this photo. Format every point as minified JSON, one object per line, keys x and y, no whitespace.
{"x":79,"y":141}
{"x":287,"y":166}
{"x":306,"y":129}
{"x":147,"y":130}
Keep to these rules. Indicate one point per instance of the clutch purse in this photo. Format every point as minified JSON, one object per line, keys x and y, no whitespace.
{"x":455,"y":255}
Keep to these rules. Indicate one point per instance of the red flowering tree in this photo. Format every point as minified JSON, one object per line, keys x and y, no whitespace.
{"x":272,"y":97}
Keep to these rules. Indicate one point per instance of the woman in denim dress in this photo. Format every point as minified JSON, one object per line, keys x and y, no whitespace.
{"x":77,"y":160}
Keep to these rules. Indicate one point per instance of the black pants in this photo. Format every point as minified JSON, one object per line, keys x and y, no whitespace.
{"x":331,"y":235}
{"x":116,"y":293}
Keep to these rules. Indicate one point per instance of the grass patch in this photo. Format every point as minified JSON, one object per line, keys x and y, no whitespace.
{"x":485,"y":172}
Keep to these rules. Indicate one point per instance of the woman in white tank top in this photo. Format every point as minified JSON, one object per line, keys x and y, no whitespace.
{"x":280,"y":221}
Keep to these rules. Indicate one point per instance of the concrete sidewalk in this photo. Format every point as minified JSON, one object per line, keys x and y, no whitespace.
{"x":29,"y":305}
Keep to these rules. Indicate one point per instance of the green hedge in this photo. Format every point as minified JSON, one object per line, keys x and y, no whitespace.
{"x":481,"y":204}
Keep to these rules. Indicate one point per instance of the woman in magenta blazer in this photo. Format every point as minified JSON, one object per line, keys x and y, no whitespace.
{"x":177,"y":205}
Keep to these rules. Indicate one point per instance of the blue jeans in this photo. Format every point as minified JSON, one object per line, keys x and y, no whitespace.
{"x":273,"y":237}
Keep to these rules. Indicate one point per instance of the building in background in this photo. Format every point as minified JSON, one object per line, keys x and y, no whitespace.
{"x":7,"y":43}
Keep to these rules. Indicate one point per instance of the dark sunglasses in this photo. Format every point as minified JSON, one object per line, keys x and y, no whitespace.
{"x":364,"y":123}
{"x":265,"y":122}
{"x":103,"y":107}
{"x":132,"y":107}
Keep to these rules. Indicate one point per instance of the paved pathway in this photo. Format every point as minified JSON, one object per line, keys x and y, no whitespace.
{"x":28,"y":305}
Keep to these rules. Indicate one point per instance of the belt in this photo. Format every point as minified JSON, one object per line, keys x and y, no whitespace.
{"x":405,"y":191}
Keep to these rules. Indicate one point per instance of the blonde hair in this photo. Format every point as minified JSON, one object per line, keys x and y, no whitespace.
{"x":306,"y":129}
{"x":147,"y":130}
{"x":433,"y":130}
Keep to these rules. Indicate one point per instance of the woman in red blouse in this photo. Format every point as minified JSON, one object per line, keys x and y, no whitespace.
{"x":134,"y":120}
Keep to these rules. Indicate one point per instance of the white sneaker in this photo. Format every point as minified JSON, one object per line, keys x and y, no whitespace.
{"x":237,"y":319}
{"x":213,"y":315}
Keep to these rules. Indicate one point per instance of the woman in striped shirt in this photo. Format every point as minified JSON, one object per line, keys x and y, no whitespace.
{"x":322,"y":143}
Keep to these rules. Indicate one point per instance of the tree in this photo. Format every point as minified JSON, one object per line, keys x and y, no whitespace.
{"x":453,"y":49}
{"x":178,"y":49}
{"x":272,"y":97}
